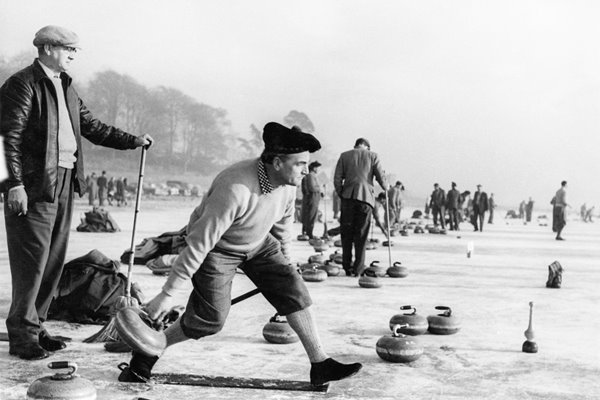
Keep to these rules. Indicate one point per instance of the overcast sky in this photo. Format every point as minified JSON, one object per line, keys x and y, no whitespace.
{"x":502,"y":93}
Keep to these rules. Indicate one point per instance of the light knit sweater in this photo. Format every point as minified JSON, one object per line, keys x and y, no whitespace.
{"x":235,"y":215}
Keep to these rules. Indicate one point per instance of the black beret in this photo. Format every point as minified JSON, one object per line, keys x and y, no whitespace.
{"x":284,"y":140}
{"x":314,"y":164}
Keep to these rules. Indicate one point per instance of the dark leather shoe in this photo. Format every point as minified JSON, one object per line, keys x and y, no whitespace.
{"x":139,"y":368}
{"x":331,"y":370}
{"x":28,"y":351}
{"x":50,"y":343}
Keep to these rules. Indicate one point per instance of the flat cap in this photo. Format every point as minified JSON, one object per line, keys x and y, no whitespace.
{"x":284,"y":140}
{"x":314,"y":164}
{"x":56,"y":36}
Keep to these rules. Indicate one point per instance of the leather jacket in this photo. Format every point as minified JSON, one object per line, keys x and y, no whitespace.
{"x":29,"y":126}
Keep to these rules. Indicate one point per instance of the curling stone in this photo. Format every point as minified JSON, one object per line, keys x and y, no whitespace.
{"x":397,"y":270}
{"x":303,"y":238}
{"x":331,"y":268}
{"x":304,"y":267}
{"x":393,"y":232}
{"x":369,"y":280}
{"x":371,"y":246}
{"x":314,"y":275}
{"x":434,"y":230}
{"x":318,"y":258}
{"x":388,"y":243}
{"x":62,"y":386}
{"x":278,"y":331}
{"x":398,"y":348}
{"x":320,"y":245}
{"x":444,"y":323}
{"x":418,"y":229}
{"x":336,"y":257}
{"x":374,"y":240}
{"x":137,"y":335}
{"x":379,"y":270}
{"x":337,"y":243}
{"x":403,"y":232}
{"x":411,"y":323}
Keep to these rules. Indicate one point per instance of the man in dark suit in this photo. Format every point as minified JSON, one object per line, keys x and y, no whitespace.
{"x":480,"y":206}
{"x":437,"y":204}
{"x":453,"y":205}
{"x":311,"y":195}
{"x":353,"y":182}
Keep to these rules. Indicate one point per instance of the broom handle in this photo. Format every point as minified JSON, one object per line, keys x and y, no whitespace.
{"x":138,"y":198}
{"x":387,"y":217}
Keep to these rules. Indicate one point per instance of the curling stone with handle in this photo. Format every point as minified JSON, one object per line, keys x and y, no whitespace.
{"x":62,"y":386}
{"x":444,"y":323}
{"x":397,"y":270}
{"x":398,"y":348}
{"x":278,"y":331}
{"x":412,"y":324}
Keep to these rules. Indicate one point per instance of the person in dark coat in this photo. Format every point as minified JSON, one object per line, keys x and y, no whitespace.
{"x":353,"y":182}
{"x":491,"y":208}
{"x":42,"y":123}
{"x":559,"y":210}
{"x":480,"y":206}
{"x":102,"y":188}
{"x":92,"y":189}
{"x":529,"y":210}
{"x":311,"y":195}
{"x":437,"y":204}
{"x":453,"y":205}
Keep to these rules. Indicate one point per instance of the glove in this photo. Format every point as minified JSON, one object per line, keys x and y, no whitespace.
{"x":143,"y":140}
{"x":17,"y":201}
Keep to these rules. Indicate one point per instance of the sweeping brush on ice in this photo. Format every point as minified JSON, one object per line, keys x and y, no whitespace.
{"x":109,"y":333}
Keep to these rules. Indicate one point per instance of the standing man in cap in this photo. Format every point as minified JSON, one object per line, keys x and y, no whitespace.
{"x":311,"y":195}
{"x":353,"y":182}
{"x":42,"y":122}
{"x":395,"y":199}
{"x":453,"y":205}
{"x":437,"y":204}
{"x":244,"y":221}
{"x":559,"y":210}
{"x":480,"y":206}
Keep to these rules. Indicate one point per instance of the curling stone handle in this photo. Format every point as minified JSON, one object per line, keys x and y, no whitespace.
{"x":447,"y":310}
{"x":409,"y":307}
{"x":397,"y":264}
{"x":374,"y":263}
{"x":63,"y":364}
{"x":397,"y":327}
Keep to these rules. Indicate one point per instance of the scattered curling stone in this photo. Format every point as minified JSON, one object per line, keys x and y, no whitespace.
{"x":418,"y":229}
{"x":62,"y":386}
{"x":374,"y":240}
{"x":314,"y":275}
{"x":303,"y":238}
{"x":434,"y":230}
{"x":398,"y":348}
{"x":320,"y":245}
{"x":371,"y":246}
{"x":444,"y":323}
{"x":336,"y":257}
{"x":403,"y":232}
{"x":393,"y":232}
{"x":330,"y":268}
{"x":411,"y":323}
{"x":379,"y":270}
{"x":369,"y":280}
{"x":278,"y":331}
{"x":305,"y":266}
{"x":530,"y":346}
{"x":397,"y":270}
{"x":317,"y":258}
{"x":337,"y":243}
{"x":388,"y":243}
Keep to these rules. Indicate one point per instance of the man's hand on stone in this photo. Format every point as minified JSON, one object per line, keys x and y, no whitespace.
{"x":159,"y":306}
{"x":17,"y":201}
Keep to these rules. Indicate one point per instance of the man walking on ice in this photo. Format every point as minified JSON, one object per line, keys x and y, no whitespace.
{"x":244,"y":222}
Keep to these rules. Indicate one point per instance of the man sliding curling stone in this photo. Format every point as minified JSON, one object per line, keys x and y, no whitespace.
{"x":244,"y":221}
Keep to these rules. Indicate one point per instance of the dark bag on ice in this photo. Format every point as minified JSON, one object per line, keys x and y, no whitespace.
{"x":88,"y":290}
{"x":98,"y":220}
{"x":555,"y":271}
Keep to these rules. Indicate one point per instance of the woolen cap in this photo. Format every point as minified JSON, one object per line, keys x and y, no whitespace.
{"x":314,"y":164}
{"x":56,"y":36}
{"x":284,"y":140}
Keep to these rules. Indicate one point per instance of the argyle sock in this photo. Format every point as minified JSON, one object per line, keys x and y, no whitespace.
{"x":303,"y":323}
